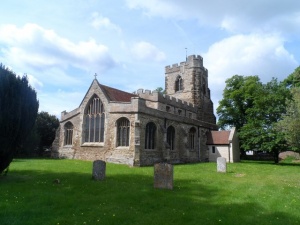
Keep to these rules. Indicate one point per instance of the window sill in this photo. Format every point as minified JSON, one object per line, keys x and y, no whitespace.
{"x":93,"y":144}
{"x":122,"y":147}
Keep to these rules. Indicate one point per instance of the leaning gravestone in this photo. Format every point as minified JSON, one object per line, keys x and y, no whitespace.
{"x":163,"y":176}
{"x":99,"y":168}
{"x":221,"y":164}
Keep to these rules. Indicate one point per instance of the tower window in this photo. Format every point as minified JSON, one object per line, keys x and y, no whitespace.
{"x":179,"y":84}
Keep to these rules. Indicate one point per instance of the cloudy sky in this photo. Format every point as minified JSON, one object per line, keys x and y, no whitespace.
{"x":60,"y":45}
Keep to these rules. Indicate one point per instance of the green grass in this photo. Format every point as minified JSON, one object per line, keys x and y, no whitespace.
{"x":249,"y":193}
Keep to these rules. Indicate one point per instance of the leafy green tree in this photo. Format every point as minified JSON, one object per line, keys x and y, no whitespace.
{"x":238,"y":97}
{"x":290,"y":124}
{"x":260,"y":131}
{"x":293,"y":80}
{"x":46,"y":126}
{"x":160,"y":90}
{"x":41,"y":136}
{"x":18,"y":111}
{"x":254,"y":108}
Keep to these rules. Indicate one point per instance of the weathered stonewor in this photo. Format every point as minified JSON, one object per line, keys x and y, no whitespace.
{"x":163,"y":176}
{"x":99,"y":168}
{"x":221,"y":164}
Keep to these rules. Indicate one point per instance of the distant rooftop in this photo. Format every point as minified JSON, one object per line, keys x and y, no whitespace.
{"x":218,"y":137}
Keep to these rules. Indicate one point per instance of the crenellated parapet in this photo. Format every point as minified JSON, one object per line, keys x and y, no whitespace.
{"x":191,"y":61}
{"x":156,"y":96}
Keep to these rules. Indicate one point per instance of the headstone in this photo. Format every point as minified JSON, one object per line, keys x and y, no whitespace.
{"x":99,"y":168}
{"x":221,"y":164}
{"x":163,"y":176}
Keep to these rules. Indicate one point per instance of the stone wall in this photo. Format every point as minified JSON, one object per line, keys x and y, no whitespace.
{"x":195,"y":86}
{"x":182,"y":113}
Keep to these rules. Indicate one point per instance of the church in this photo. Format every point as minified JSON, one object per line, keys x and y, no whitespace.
{"x":144,"y":127}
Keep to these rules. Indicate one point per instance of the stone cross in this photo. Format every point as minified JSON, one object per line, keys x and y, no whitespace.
{"x":95,"y":76}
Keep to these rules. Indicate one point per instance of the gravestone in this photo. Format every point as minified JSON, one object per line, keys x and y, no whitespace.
{"x":221,"y":164}
{"x":163,"y":176}
{"x":99,"y":168}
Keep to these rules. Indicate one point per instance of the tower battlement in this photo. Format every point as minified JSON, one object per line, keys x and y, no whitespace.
{"x":191,"y":61}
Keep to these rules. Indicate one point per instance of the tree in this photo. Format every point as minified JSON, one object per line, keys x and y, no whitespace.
{"x":293,"y":80}
{"x":290,"y":124}
{"x":254,"y":108}
{"x":160,"y":90}
{"x":41,"y":136}
{"x":18,"y":111}
{"x":238,"y":97}
{"x":46,"y":126}
{"x":260,"y":131}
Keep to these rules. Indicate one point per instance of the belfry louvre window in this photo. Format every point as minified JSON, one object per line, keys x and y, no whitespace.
{"x":94,"y":121}
{"x":150,"y":136}
{"x":68,"y":133}
{"x":179,"y":84}
{"x":123,"y":131}
{"x":171,"y":137}
{"x":192,"y":138}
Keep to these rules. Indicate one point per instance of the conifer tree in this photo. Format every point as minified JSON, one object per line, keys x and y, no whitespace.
{"x":18,"y":111}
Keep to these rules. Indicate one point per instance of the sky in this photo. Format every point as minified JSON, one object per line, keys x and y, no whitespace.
{"x":60,"y":45}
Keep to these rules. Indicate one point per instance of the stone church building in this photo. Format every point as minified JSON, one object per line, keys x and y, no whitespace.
{"x":144,"y":127}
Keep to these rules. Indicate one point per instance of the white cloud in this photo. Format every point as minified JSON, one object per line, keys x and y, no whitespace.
{"x":231,"y":15}
{"x":262,"y":55}
{"x":40,"y":48}
{"x":99,"y":21}
{"x":148,"y":52}
{"x":34,"y":82}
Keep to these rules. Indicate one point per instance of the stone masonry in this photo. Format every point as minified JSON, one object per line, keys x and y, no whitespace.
{"x":143,"y":127}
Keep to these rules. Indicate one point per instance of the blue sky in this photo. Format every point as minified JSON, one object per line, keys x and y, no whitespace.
{"x":60,"y":45}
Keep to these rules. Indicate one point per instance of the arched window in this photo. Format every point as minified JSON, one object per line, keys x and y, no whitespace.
{"x":171,"y":137}
{"x":94,"y":117}
{"x":123,"y":131}
{"x":150,"y":135}
{"x":179,"y":84}
{"x":192,"y":138}
{"x":68,"y":133}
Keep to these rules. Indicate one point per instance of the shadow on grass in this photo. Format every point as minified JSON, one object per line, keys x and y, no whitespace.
{"x":288,"y":164}
{"x":258,"y":162}
{"x":32,"y":197}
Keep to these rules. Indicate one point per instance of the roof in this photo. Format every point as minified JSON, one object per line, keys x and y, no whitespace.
{"x":116,"y":95}
{"x":218,"y":137}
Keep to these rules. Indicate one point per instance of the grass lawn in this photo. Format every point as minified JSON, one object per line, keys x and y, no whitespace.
{"x":249,"y":193}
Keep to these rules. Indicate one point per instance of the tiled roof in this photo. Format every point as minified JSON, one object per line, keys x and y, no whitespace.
{"x":116,"y":95}
{"x":218,"y":137}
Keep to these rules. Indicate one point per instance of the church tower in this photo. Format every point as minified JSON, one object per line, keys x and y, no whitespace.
{"x":189,"y":82}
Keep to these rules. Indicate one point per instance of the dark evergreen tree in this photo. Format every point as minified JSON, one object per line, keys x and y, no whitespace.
{"x":18,"y":111}
{"x":46,"y":126}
